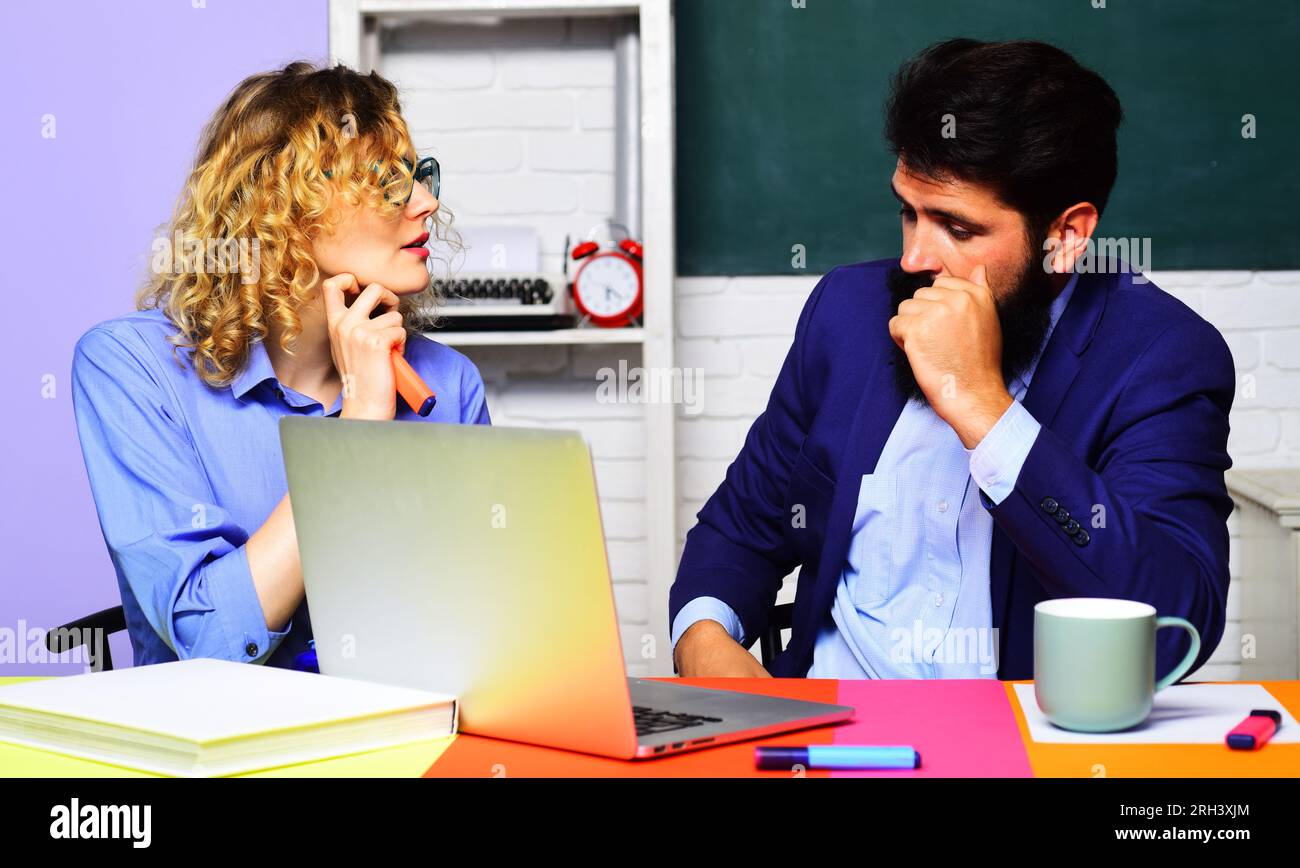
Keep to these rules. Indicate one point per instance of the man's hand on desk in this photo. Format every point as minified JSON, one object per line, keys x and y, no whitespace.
{"x":706,"y":649}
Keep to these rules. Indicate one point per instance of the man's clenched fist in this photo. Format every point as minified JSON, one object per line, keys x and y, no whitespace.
{"x":953,"y":341}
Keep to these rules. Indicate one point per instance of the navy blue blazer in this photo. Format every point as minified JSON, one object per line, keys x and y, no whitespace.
{"x":1132,"y":391}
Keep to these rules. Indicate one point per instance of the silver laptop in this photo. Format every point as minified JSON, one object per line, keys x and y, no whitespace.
{"x":471,"y":560}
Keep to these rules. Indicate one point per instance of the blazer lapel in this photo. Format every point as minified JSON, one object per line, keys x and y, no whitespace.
{"x":1060,"y":362}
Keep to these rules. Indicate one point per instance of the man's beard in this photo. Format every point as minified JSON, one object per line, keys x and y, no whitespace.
{"x":1024,"y":313}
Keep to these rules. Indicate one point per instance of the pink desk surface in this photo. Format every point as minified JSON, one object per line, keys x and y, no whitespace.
{"x":971,"y":728}
{"x":961,"y":728}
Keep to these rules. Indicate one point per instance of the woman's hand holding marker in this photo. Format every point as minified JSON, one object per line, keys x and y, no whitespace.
{"x":362,"y":347}
{"x":370,"y":350}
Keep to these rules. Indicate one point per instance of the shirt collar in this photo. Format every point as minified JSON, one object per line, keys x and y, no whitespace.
{"x":256,"y":371}
{"x":1058,"y":307}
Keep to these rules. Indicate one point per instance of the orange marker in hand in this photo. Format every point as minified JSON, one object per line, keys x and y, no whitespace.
{"x":414,"y":391}
{"x":417,"y":394}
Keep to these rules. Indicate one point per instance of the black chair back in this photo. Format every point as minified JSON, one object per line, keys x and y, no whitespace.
{"x":93,"y":632}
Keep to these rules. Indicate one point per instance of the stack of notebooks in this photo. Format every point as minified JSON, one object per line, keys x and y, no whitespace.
{"x":215,"y":717}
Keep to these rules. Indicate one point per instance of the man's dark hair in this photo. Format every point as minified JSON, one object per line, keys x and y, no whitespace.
{"x":1030,"y":123}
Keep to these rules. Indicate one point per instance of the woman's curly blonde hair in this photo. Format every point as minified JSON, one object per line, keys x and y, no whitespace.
{"x":268,"y":162}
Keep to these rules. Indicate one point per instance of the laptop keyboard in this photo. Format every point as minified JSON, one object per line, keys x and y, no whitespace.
{"x":650,"y":721}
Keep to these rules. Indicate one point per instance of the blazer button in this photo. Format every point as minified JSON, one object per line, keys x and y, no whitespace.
{"x":1062,"y":516}
{"x":251,"y":649}
{"x":1049,"y":505}
{"x":1071,"y":527}
{"x":1081,"y":538}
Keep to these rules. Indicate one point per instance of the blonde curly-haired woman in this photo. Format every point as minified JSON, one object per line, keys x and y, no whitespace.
{"x":294,"y":258}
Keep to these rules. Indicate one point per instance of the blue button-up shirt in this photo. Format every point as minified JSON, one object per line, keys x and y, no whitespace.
{"x":913,"y":599}
{"x":182,"y":474}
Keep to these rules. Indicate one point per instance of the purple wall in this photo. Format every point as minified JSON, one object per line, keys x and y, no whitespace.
{"x":129,"y":85}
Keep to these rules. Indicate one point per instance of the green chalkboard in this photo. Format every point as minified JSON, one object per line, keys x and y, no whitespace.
{"x":779,"y":119}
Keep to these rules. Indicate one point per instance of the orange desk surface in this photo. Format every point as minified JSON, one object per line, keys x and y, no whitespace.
{"x":474,"y":756}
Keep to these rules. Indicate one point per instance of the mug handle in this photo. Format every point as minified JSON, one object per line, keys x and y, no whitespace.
{"x":1181,"y":669}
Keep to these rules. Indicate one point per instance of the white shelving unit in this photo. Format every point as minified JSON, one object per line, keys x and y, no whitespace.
{"x":354,"y":41}
{"x":1268,"y":505}
{"x":540,"y":338}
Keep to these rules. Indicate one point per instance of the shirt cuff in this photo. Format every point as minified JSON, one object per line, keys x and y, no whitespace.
{"x":707,"y":609}
{"x":996,"y":461}
{"x":238,"y":611}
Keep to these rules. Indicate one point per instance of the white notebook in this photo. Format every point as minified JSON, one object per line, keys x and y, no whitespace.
{"x":216,"y":717}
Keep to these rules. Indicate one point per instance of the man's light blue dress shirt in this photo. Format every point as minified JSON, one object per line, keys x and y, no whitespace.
{"x":183,"y":474}
{"x":913,"y":598}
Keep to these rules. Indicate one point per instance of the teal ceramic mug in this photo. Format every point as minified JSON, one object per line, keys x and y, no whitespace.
{"x":1095,"y":661}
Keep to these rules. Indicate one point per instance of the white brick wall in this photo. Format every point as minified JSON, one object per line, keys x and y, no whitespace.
{"x":521,"y":116}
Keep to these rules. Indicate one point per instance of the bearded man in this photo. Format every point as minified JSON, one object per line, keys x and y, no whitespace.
{"x":978,"y":425}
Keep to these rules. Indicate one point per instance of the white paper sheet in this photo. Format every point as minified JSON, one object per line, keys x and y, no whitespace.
{"x":1182,"y":714}
{"x":499,"y":249}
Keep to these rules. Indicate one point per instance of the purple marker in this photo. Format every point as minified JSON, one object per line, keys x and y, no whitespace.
{"x":838,"y":756}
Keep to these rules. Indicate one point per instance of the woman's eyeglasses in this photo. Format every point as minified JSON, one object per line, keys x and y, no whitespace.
{"x":426,"y":172}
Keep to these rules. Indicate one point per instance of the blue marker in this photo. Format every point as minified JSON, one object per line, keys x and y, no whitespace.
{"x":837,"y":756}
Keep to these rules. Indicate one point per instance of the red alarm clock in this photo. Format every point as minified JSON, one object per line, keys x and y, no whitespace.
{"x":609,"y":285}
